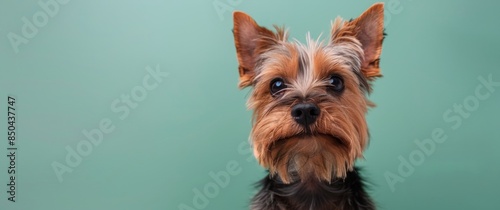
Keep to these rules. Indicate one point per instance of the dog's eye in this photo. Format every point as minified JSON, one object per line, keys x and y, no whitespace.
{"x":336,"y":83}
{"x":277,"y":85}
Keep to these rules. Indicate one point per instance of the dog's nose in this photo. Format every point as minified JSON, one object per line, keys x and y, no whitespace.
{"x":305,"y":113}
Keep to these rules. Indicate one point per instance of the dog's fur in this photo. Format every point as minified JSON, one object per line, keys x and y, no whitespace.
{"x":311,"y":166}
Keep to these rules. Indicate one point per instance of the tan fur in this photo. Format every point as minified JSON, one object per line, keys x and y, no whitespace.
{"x":340,"y":134}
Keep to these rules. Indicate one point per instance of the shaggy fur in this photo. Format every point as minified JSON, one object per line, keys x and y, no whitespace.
{"x":310,"y":167}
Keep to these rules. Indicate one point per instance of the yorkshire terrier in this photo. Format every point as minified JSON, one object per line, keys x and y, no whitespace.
{"x":309,"y":103}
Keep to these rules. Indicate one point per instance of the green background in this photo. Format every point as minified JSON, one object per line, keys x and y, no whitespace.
{"x":194,"y":122}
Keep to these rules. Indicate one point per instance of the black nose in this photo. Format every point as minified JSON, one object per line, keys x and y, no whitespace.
{"x":305,"y":113}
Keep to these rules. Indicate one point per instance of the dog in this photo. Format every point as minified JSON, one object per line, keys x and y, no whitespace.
{"x":309,"y":103}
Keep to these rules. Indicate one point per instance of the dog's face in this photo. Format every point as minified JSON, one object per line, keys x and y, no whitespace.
{"x":309,"y":100}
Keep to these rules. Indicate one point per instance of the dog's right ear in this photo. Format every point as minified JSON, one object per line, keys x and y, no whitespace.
{"x":250,"y":40}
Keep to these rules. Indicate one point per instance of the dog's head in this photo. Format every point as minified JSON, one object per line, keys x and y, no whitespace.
{"x":309,"y":100}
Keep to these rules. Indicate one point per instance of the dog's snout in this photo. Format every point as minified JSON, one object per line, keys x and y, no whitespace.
{"x":305,"y":113}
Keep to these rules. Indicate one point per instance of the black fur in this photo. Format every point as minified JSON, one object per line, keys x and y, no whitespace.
{"x":340,"y":194}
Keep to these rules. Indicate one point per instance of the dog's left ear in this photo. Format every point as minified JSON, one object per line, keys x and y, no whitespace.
{"x":368,"y":28}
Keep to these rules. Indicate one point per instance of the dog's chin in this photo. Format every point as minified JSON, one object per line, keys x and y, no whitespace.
{"x":308,"y":136}
{"x":309,"y":156}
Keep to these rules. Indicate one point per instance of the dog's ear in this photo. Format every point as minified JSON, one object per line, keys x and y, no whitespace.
{"x":250,"y":40}
{"x":368,"y":28}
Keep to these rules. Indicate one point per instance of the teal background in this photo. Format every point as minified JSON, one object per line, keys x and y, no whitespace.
{"x":195,"y":122}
